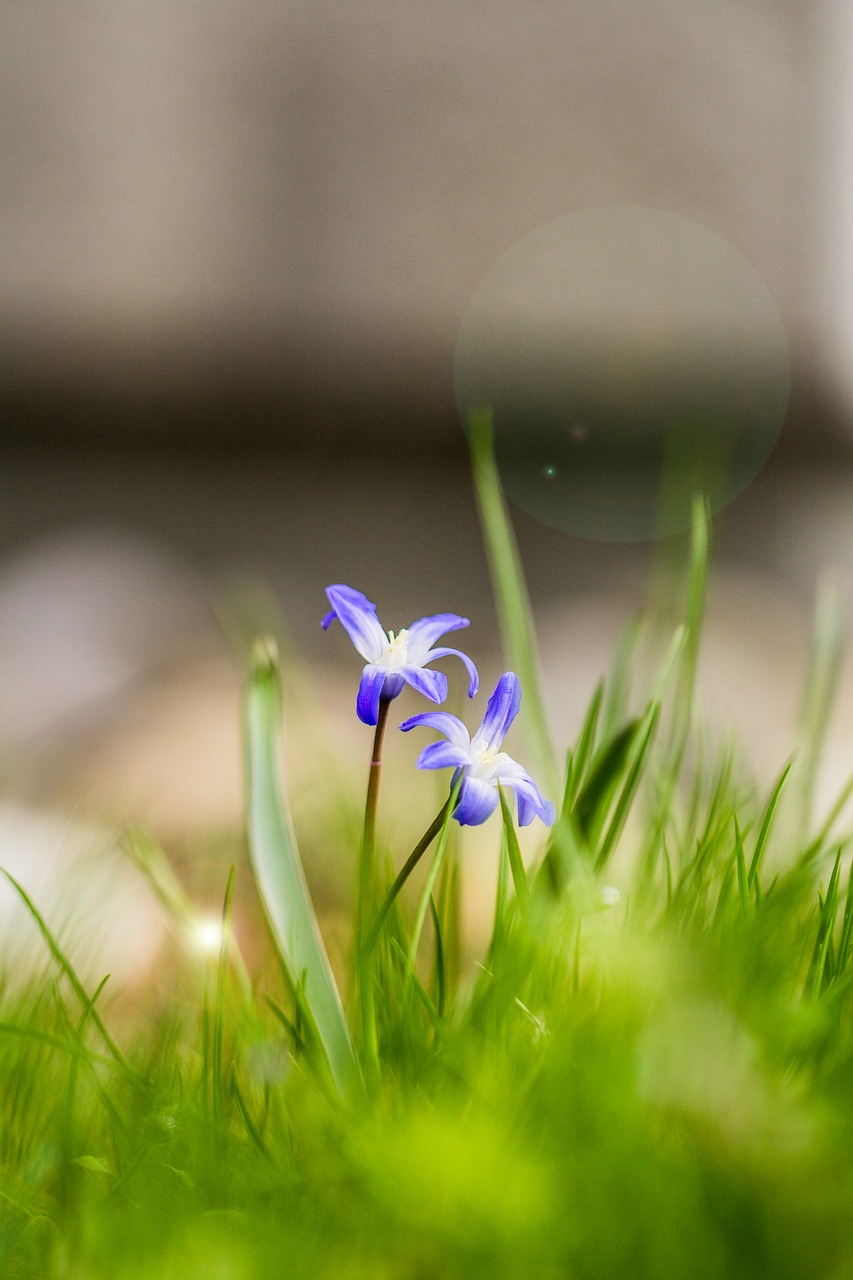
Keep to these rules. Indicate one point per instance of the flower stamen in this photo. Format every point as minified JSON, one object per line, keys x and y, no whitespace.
{"x":395,"y":660}
{"x":397,"y":653}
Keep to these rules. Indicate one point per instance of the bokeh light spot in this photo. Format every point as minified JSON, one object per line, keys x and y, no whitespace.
{"x":630,"y":358}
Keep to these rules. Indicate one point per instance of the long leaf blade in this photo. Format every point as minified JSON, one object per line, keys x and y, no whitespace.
{"x":510,"y":588}
{"x":766,"y":824}
{"x":279,"y":875}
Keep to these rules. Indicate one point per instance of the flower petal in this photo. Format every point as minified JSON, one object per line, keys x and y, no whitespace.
{"x":432,"y":684}
{"x":369,"y":689}
{"x":358,"y":618}
{"x":473,"y":678}
{"x":525,"y":812}
{"x":424,"y":633}
{"x":500,"y":712}
{"x":443,"y":755}
{"x":451,"y":726}
{"x":531,"y":801}
{"x":394,"y":685}
{"x":477,"y":800}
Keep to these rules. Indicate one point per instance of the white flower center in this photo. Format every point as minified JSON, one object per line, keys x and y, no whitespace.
{"x":397,"y":653}
{"x":484,"y":763}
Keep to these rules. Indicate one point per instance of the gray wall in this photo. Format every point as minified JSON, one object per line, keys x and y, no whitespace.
{"x":272,"y":205}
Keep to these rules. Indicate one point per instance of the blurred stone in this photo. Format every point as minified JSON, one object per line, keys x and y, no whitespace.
{"x":92,"y":898}
{"x":83,"y":618}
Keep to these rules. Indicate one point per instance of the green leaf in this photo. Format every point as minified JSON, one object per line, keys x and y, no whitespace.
{"x":249,"y":1125}
{"x":403,"y":875}
{"x":181,"y":1175}
{"x":826,"y":923}
{"x":279,"y":875}
{"x":767,"y":822}
{"x":606,"y":770}
{"x":94,"y":1163}
{"x":697,"y":590}
{"x":639,"y":755}
{"x":516,"y":864}
{"x":740,"y":867}
{"x":584,"y":748}
{"x":619,"y":678}
{"x":219,"y":1003}
{"x":440,"y":962}
{"x":513,"y":603}
{"x":846,"y":939}
{"x":827,"y":652}
{"x":432,"y":876}
{"x":63,"y":962}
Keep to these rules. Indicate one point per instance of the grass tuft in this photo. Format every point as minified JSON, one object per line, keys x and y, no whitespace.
{"x":645,"y":1071}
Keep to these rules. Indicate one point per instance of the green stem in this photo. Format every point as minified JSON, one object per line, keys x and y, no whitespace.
{"x":366,"y":886}
{"x":366,"y":869}
{"x":432,"y":875}
{"x":406,"y":870}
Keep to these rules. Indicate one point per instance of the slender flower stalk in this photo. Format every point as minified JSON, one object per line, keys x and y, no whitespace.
{"x":392,"y":661}
{"x":366,"y":888}
{"x":432,"y":876}
{"x":405,"y":871}
{"x":368,"y":839}
{"x":480,"y":770}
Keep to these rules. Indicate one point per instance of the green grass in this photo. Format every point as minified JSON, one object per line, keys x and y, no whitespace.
{"x":656,"y":1086}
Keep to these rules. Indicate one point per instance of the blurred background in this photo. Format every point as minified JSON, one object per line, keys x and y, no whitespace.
{"x":237,"y":244}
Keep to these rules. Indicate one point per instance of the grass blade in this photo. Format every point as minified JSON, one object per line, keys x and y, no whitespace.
{"x":615,"y":707}
{"x":149,"y":858}
{"x":70,"y":972}
{"x":501,"y":898}
{"x":821,"y":685}
{"x":576,"y":767}
{"x":249,"y":1125}
{"x":440,"y":962}
{"x":640,"y":747}
{"x":513,"y":604}
{"x":742,"y":873}
{"x":280,"y":877}
{"x":846,"y":939}
{"x":767,"y":822}
{"x":516,"y":864}
{"x":219,"y":1004}
{"x":403,"y":875}
{"x":607,"y":769}
{"x":71,"y":1046}
{"x":823,"y":942}
{"x":694,"y":616}
{"x":432,"y":876}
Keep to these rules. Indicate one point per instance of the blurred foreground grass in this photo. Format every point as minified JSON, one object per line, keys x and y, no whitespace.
{"x":654,"y":1080}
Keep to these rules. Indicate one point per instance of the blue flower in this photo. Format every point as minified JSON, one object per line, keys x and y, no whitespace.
{"x":394,"y":661}
{"x":481,"y":762}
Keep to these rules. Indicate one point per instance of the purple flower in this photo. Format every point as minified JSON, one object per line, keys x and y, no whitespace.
{"x":481,"y":762}
{"x":394,"y":661}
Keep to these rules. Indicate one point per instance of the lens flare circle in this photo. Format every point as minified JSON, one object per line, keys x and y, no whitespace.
{"x":630,"y":358}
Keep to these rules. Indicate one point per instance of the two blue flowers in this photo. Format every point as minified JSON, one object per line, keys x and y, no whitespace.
{"x":396,"y":660}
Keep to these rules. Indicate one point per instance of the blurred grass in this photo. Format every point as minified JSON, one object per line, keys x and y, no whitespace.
{"x":647,"y":1073}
